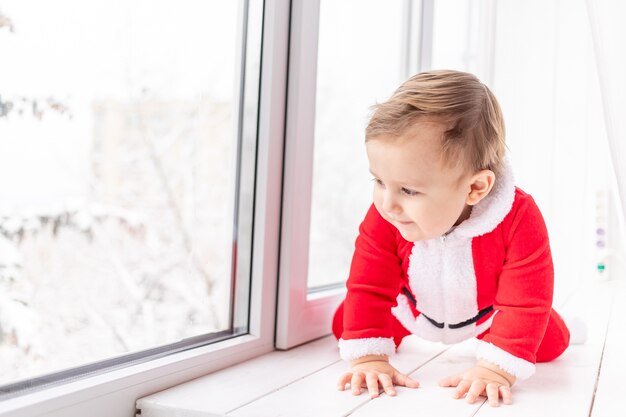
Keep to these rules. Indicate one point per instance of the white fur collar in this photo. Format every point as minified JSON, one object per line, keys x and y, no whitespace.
{"x":491,"y":210}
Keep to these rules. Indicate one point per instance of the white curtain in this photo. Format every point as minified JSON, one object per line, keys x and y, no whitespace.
{"x":608,"y":25}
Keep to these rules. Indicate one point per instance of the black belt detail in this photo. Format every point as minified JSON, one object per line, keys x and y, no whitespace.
{"x":482,"y":313}
{"x":433,"y":322}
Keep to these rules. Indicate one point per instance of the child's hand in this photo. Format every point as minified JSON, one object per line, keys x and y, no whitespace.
{"x":368,"y":371}
{"x":484,"y":379}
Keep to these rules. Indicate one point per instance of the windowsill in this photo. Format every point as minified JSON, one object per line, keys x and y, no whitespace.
{"x":73,"y":398}
{"x":302,"y":381}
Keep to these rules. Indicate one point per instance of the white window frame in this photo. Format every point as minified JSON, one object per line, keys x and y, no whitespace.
{"x":300,"y":317}
{"x":304,"y":315}
{"x":114,"y":393}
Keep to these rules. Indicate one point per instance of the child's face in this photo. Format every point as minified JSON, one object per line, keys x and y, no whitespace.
{"x":413,"y":190}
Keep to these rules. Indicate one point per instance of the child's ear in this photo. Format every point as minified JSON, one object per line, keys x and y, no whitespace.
{"x":481,"y":184}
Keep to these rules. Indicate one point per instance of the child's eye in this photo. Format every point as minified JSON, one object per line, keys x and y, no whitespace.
{"x":409,"y":192}
{"x":378,"y":182}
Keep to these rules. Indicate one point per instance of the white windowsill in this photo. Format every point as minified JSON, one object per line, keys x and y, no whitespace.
{"x":302,"y":381}
{"x":126,"y":384}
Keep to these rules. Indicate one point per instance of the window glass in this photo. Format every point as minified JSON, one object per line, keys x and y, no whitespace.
{"x":359,"y":64}
{"x":454,"y":35}
{"x":464,"y":37}
{"x":118,"y":156}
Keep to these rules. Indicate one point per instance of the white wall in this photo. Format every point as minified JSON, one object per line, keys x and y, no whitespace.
{"x":545,"y":77}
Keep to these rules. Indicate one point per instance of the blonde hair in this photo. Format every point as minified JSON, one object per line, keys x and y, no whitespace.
{"x":474,"y":138}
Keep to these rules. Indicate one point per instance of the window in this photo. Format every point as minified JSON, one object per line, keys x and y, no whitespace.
{"x":356,"y":67}
{"x":339,"y":67}
{"x":464,"y":37}
{"x":127,"y":168}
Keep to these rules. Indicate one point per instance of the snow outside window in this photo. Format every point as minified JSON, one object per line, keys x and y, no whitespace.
{"x":125,"y":185}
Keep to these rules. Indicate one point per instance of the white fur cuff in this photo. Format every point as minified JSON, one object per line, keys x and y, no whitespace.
{"x":522,"y":369}
{"x":352,"y":349}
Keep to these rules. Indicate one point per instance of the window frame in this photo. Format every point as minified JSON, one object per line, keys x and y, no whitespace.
{"x":305,"y":314}
{"x":114,"y":393}
{"x":300,"y":319}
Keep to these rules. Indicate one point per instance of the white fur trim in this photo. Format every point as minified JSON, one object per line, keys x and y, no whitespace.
{"x":423,"y":328}
{"x":522,"y":369}
{"x":491,"y":210}
{"x":352,"y":349}
{"x":442,"y":278}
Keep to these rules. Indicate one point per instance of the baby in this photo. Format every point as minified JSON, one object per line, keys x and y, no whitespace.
{"x":450,"y":249}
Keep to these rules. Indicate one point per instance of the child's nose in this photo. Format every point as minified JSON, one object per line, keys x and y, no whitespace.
{"x":390,"y":204}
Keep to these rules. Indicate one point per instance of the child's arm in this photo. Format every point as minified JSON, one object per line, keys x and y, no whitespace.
{"x":369,"y":371}
{"x":523,"y":303}
{"x":523,"y":300}
{"x":373,"y":285}
{"x":484,"y":379}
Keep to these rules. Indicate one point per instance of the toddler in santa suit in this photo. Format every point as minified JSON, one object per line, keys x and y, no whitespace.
{"x":450,"y":248}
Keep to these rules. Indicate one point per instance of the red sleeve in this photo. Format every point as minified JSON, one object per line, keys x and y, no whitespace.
{"x":373,"y":285}
{"x":524,"y":296}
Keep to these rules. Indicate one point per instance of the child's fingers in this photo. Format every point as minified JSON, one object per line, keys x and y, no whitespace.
{"x":451,"y":381}
{"x":387,"y":384}
{"x":493,"y":394}
{"x":477,"y":388}
{"x":461,"y":388}
{"x":507,"y":397}
{"x":343,"y":380}
{"x":371,"y":378}
{"x":356,"y":381}
{"x":405,"y":380}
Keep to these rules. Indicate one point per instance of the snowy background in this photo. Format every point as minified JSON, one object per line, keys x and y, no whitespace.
{"x":116,"y":177}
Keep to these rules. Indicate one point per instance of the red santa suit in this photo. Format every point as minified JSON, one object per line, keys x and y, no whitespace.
{"x":490,"y":277}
